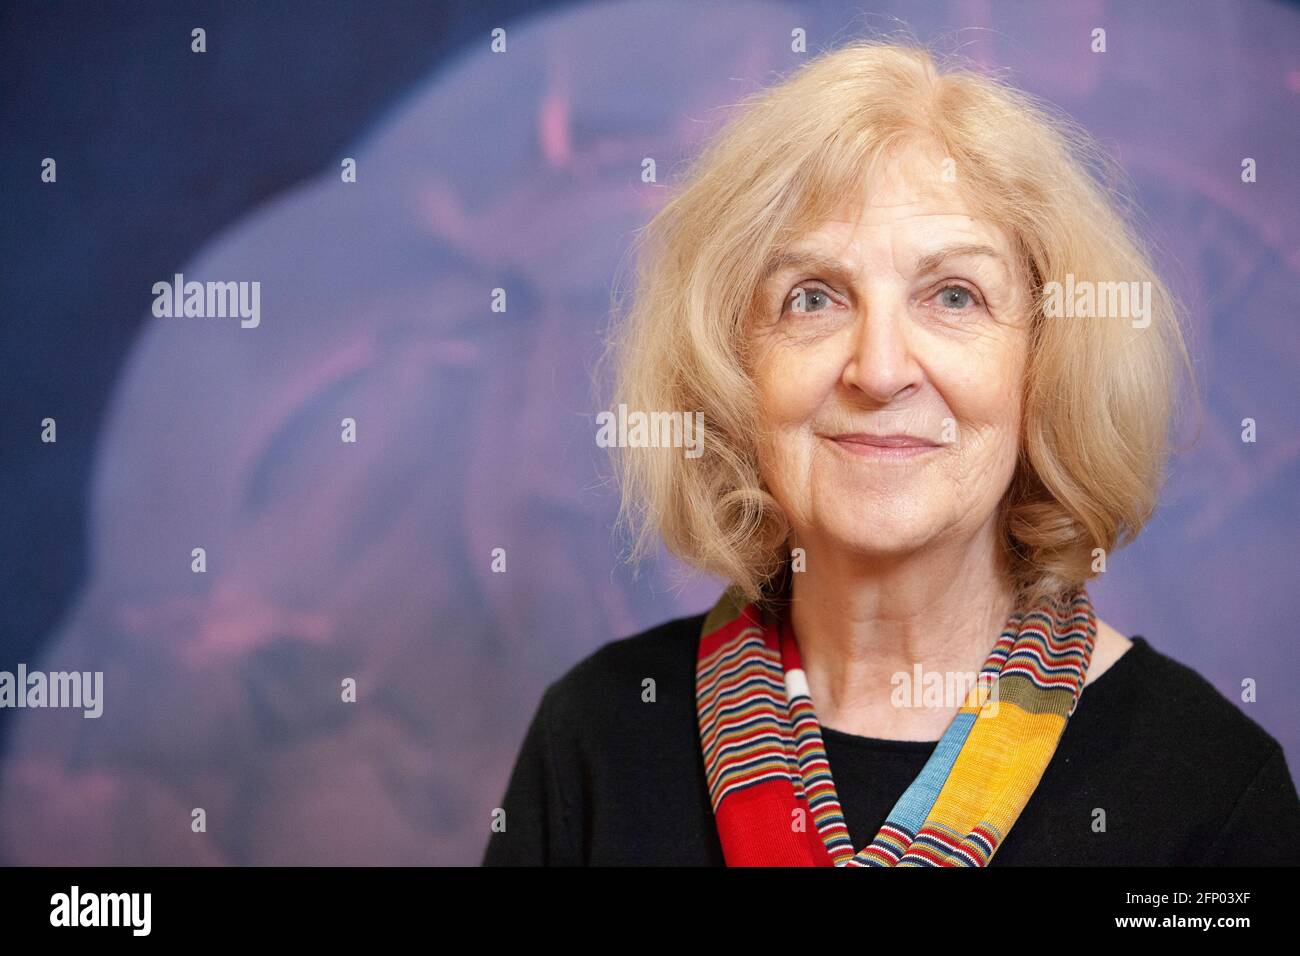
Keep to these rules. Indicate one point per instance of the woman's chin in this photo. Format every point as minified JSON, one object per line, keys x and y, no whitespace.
{"x":885,"y":544}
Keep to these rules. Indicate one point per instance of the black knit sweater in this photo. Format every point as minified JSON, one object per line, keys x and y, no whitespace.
{"x":1175,"y":771}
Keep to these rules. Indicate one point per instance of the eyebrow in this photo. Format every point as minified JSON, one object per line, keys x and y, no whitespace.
{"x":799,"y":260}
{"x":796,"y":259}
{"x":931,"y":261}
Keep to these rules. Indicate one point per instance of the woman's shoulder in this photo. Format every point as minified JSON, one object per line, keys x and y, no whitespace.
{"x":1155,"y":718}
{"x":671,"y":643}
{"x":1166,"y":688}
{"x":1202,"y":769}
{"x":656,"y":665}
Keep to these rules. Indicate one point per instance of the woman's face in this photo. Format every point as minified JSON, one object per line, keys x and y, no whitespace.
{"x":890,"y":385}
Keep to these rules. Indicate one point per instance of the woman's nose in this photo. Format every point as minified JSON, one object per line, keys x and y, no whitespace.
{"x":881,"y":364}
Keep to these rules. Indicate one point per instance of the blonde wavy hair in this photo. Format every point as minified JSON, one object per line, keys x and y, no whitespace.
{"x":1099,"y":393}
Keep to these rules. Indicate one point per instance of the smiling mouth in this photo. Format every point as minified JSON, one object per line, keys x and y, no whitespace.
{"x":883,"y":446}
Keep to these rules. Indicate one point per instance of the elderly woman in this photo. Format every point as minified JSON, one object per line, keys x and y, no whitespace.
{"x":936,"y":371}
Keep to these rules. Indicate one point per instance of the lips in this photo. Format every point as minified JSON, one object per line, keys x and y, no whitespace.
{"x":883,"y":446}
{"x":886,"y":441}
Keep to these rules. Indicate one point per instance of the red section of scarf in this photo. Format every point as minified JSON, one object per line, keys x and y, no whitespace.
{"x":744,"y":819}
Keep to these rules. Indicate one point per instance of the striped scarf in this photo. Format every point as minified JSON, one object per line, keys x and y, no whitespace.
{"x":766,"y":765}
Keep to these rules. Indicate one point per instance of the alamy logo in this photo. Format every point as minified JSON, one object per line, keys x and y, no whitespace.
{"x":76,"y":689}
{"x":209,"y":300}
{"x":651,"y":430}
{"x":1086,"y":299}
{"x":102,"y":909}
{"x":929,"y":689}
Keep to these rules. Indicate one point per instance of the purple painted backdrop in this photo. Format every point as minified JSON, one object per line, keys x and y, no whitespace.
{"x":328,"y":560}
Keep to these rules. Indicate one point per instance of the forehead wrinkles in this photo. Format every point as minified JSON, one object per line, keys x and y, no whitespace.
{"x":912,"y":220}
{"x":845,"y":247}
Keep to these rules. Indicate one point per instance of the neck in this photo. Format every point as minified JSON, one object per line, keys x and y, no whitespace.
{"x":861,"y":622}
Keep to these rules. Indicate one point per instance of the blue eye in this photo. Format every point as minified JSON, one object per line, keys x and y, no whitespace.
{"x":804,"y":299}
{"x":956,"y":297}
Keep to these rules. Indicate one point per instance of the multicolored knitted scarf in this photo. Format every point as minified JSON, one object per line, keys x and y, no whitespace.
{"x":766,"y":765}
